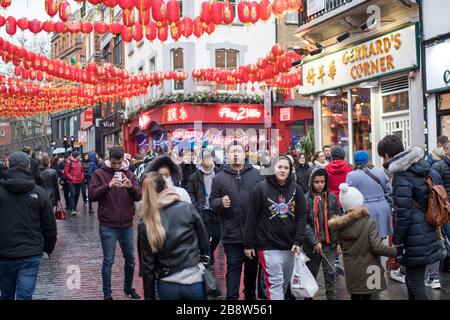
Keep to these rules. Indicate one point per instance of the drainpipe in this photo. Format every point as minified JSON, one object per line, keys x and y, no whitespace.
{"x":423,"y":69}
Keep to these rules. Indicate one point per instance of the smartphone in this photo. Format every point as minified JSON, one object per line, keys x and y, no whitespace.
{"x":119,"y":176}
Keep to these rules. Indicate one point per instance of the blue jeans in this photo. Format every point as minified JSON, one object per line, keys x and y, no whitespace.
{"x":74,"y":195}
{"x":174,"y":291}
{"x":18,"y":277}
{"x":109,"y":238}
{"x":446,"y":230}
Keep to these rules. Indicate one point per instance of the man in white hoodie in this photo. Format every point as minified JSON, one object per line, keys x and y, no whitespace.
{"x":199,"y":187}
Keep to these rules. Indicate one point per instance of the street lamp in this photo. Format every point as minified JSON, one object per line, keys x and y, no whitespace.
{"x":66,"y":143}
{"x":72,"y":140}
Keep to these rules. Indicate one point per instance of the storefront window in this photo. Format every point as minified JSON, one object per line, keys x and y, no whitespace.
{"x":361,"y":114}
{"x":396,"y":102}
{"x":445,"y":125}
{"x":335,"y":121}
{"x":444,"y":114}
{"x":444,"y":102}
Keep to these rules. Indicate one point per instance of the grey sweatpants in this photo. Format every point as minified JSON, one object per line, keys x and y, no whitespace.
{"x":278,"y":266}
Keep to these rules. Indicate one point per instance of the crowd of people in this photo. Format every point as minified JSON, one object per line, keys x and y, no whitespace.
{"x":321,"y":206}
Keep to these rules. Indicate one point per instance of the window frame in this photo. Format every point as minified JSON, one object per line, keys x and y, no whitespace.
{"x":225,"y":87}
{"x":172,"y":67}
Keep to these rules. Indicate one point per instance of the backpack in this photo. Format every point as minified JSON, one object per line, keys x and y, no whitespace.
{"x":438,"y":208}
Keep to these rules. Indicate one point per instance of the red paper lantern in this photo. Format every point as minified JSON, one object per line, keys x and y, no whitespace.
{"x":210,"y":28}
{"x":127,"y":34}
{"x":277,"y":49}
{"x":35,"y":26}
{"x":6,"y":3}
{"x":228,"y":13}
{"x":254,"y":12}
{"x":144,"y":17}
{"x":138,"y":34}
{"x":95,"y":2}
{"x":48,"y":26}
{"x":187,"y":27}
{"x":115,"y":28}
{"x":198,"y":27}
{"x":64,"y":11}
{"x":2,"y":21}
{"x":126,"y":4}
{"x":244,"y":12}
{"x":51,"y":7}
{"x":279,"y":7}
{"x":11,"y":26}
{"x":74,"y":26}
{"x":23,"y":23}
{"x":217,"y":12}
{"x":100,"y":27}
{"x":163,"y":33}
{"x":265,"y":10}
{"x":60,"y":27}
{"x":128,"y":17}
{"x":143,"y":5}
{"x":175,"y":31}
{"x":151,"y":31}
{"x":39,"y":76}
{"x":173,"y":11}
{"x":205,"y":13}
{"x":110,"y":3}
{"x":159,"y":10}
{"x":86,"y":27}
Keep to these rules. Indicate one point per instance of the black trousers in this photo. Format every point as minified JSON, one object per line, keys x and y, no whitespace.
{"x":213,"y":229}
{"x":84,"y":192}
{"x":235,"y":259}
{"x":415,"y":283}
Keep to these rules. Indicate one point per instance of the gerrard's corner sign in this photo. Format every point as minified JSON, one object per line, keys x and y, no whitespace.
{"x":392,"y":52}
{"x":437,"y":67}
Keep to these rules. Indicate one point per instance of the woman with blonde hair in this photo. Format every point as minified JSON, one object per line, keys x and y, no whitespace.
{"x":173,"y":244}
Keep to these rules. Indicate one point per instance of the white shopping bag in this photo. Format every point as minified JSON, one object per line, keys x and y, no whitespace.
{"x":303,"y":284}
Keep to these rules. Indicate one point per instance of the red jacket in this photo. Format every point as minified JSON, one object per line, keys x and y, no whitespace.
{"x":73,"y":171}
{"x":337,"y":173}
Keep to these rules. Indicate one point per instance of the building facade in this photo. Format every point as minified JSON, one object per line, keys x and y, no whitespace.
{"x":364,"y":74}
{"x":436,"y":53}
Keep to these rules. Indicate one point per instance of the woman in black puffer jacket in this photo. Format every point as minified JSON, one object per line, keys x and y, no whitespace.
{"x":416,"y":240}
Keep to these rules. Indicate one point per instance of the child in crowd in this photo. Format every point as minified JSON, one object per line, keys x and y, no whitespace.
{"x":361,"y":246}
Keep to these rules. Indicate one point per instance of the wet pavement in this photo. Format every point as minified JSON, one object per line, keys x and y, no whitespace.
{"x":78,"y":249}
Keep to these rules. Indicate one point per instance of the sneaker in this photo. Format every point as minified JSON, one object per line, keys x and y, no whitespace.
{"x":85,"y":204}
{"x":434,"y":284}
{"x":397,"y":276}
{"x":108,"y":298}
{"x":74,"y":213}
{"x":132,"y":294}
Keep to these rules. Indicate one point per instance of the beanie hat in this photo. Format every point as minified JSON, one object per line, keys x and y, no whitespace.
{"x":19,"y":159}
{"x":361,"y":157}
{"x":337,"y":153}
{"x":350,"y":197}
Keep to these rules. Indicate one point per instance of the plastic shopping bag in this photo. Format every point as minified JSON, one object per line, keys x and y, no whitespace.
{"x":303,"y":284}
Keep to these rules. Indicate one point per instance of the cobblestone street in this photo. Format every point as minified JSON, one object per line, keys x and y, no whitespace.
{"x":78,"y":245}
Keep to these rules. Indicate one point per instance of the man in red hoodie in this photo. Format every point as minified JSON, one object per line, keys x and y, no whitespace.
{"x":74,"y":173}
{"x":337,"y":170}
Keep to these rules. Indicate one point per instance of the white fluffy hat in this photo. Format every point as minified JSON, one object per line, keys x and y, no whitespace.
{"x":350,"y":197}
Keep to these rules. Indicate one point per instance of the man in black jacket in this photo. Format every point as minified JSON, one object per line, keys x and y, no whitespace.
{"x":34,"y":165}
{"x":230,"y":194}
{"x":27,"y":229}
{"x":199,"y":188}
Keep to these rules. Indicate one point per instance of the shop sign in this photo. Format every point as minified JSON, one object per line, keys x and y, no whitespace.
{"x":314,"y":6}
{"x":82,"y":137}
{"x":87,"y":118}
{"x":174,"y":114}
{"x":108,"y":124}
{"x":144,"y":121}
{"x":239,"y":114}
{"x":438,"y":66}
{"x":393,"y":52}
{"x":286,"y":114}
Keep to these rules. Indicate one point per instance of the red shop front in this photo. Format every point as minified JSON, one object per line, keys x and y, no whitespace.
{"x":161,"y":126}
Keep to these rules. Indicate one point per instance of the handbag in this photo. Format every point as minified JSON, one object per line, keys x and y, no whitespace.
{"x":211,"y":285}
{"x":60,"y":213}
{"x":303,"y":283}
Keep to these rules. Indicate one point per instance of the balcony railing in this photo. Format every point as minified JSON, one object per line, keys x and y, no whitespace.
{"x":330,"y":5}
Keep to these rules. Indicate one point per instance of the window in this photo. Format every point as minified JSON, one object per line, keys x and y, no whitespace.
{"x":107,"y":53}
{"x":444,"y":114}
{"x":30,"y":123}
{"x":152,"y":89}
{"x":395,"y":102}
{"x":118,"y":50}
{"x":291,"y":18}
{"x":177,"y":64}
{"x":72,"y":126}
{"x":362,"y":122}
{"x":227,"y":60}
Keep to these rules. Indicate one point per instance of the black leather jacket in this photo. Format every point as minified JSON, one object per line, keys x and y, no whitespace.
{"x":49,"y":181}
{"x":186,"y":240}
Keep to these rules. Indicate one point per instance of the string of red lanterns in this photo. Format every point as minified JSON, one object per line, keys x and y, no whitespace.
{"x":272,"y":70}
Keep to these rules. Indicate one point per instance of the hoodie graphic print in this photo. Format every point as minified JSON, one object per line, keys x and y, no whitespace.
{"x":281,"y":209}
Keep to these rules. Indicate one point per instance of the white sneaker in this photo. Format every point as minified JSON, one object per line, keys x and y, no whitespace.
{"x":397,"y":276}
{"x":434,"y":284}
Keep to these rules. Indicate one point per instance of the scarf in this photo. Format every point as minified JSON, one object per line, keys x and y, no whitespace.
{"x":316,"y":217}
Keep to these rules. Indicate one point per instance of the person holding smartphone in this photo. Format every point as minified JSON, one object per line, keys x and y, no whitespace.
{"x":116,"y":188}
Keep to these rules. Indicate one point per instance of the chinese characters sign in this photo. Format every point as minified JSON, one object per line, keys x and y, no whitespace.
{"x":393,"y":52}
